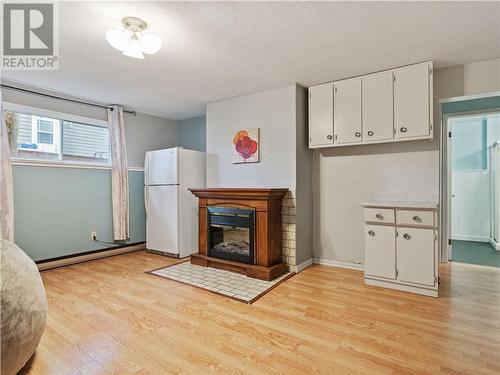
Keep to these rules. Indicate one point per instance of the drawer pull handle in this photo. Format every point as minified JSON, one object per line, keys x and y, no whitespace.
{"x":371,"y":233}
{"x":417,"y":219}
{"x":379,"y":216}
{"x":357,"y":134}
{"x":403,"y":129}
{"x":406,"y":236}
{"x":328,"y":137}
{"x":370,"y":133}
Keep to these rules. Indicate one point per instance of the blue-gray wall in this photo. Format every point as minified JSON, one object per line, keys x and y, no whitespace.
{"x":472,"y":136}
{"x":492,"y":102}
{"x":192,"y":133}
{"x":56,"y":209}
{"x":470,"y":148}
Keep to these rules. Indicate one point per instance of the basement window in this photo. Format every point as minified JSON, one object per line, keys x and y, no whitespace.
{"x":33,"y":136}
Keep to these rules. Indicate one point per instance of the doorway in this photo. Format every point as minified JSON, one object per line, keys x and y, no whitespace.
{"x":473,"y":188}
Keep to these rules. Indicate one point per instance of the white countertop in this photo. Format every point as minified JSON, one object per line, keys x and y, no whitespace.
{"x":401,"y":203}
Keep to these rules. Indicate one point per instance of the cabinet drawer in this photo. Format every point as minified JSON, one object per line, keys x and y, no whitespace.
{"x":379,"y":215}
{"x":413,"y":217}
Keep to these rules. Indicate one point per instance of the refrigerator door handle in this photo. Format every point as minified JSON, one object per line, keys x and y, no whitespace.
{"x":146,"y":200}
{"x":146,"y":169}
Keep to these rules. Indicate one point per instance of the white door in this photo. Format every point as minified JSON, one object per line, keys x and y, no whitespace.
{"x":161,"y":167}
{"x":378,"y":107}
{"x":415,"y":254}
{"x":412,"y":97}
{"x":162,"y":218}
{"x":380,"y":251}
{"x":470,"y":205}
{"x":321,"y":115}
{"x":347,"y":111}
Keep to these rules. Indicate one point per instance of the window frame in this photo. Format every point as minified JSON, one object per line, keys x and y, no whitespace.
{"x":61,"y":117}
{"x":55,"y":133}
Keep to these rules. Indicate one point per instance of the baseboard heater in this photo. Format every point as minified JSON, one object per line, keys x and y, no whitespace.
{"x":86,"y":256}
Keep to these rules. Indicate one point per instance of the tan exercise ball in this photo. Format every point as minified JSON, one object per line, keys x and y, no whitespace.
{"x":24,"y":308}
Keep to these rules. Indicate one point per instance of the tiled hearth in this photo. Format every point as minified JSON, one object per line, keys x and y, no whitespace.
{"x":229,"y":284}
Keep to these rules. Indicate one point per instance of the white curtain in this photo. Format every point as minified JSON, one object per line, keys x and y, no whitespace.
{"x":119,"y":174}
{"x":6,"y":192}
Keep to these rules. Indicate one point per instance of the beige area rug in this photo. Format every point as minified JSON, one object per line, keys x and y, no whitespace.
{"x":226,"y":283}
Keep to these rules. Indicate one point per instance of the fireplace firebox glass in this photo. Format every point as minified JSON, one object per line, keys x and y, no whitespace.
{"x":231,"y":234}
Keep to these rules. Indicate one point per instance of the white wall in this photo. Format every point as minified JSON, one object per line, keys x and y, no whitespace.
{"x":304,"y":181}
{"x":482,"y":77}
{"x":273,"y":112}
{"x":344,"y":177}
{"x":285,"y":160}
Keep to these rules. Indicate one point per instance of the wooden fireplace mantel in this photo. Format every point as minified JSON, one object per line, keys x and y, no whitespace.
{"x":240,"y":193}
{"x":267,"y":205}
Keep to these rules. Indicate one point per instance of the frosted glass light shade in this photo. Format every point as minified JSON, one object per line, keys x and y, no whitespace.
{"x":131,"y":39}
{"x":134,"y":49}
{"x":118,"y":39}
{"x":150,"y":43}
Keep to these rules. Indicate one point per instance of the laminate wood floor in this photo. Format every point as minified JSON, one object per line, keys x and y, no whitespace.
{"x":109,"y":317}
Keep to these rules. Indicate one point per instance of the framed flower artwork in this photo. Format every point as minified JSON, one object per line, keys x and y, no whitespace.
{"x":246,"y":146}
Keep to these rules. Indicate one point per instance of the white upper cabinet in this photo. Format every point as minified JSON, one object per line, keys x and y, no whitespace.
{"x":413,"y":101}
{"x":347,"y":111}
{"x":321,"y":115}
{"x":390,"y":106}
{"x":378,"y":108}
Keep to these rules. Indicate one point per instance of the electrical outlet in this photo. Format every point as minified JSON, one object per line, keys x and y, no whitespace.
{"x":93,"y":235}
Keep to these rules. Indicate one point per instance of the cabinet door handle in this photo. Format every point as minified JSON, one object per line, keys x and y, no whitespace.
{"x":370,"y":133}
{"x":329,"y":137}
{"x":336,"y":136}
{"x":417,"y":219}
{"x":379,"y":216}
{"x":371,"y":233}
{"x":406,"y":236}
{"x":357,"y":134}
{"x":403,"y":129}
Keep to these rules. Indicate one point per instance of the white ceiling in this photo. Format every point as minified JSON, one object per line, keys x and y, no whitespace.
{"x":217,"y":50}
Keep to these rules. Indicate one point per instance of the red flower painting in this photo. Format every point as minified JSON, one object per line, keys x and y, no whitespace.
{"x":246,"y":146}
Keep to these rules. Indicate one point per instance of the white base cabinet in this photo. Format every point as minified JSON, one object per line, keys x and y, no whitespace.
{"x":380,"y":249}
{"x":401,"y":247}
{"x":415,"y":256}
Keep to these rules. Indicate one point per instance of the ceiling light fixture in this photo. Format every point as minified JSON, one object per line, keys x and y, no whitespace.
{"x":131,"y":40}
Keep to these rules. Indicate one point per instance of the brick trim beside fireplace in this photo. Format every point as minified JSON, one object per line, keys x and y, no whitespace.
{"x":288,"y":244}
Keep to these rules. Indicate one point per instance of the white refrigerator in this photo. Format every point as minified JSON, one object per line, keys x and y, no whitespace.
{"x":171,"y":209}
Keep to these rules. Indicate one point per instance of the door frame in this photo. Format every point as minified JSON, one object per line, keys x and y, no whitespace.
{"x":445,"y":170}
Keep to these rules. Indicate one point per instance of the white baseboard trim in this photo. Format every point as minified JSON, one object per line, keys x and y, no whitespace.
{"x":335,"y":263}
{"x":470,"y":238}
{"x":496,"y":245}
{"x":302,"y":266}
{"x":85,"y":258}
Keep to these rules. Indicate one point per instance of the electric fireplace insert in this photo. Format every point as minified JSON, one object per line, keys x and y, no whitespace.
{"x":231,"y":234}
